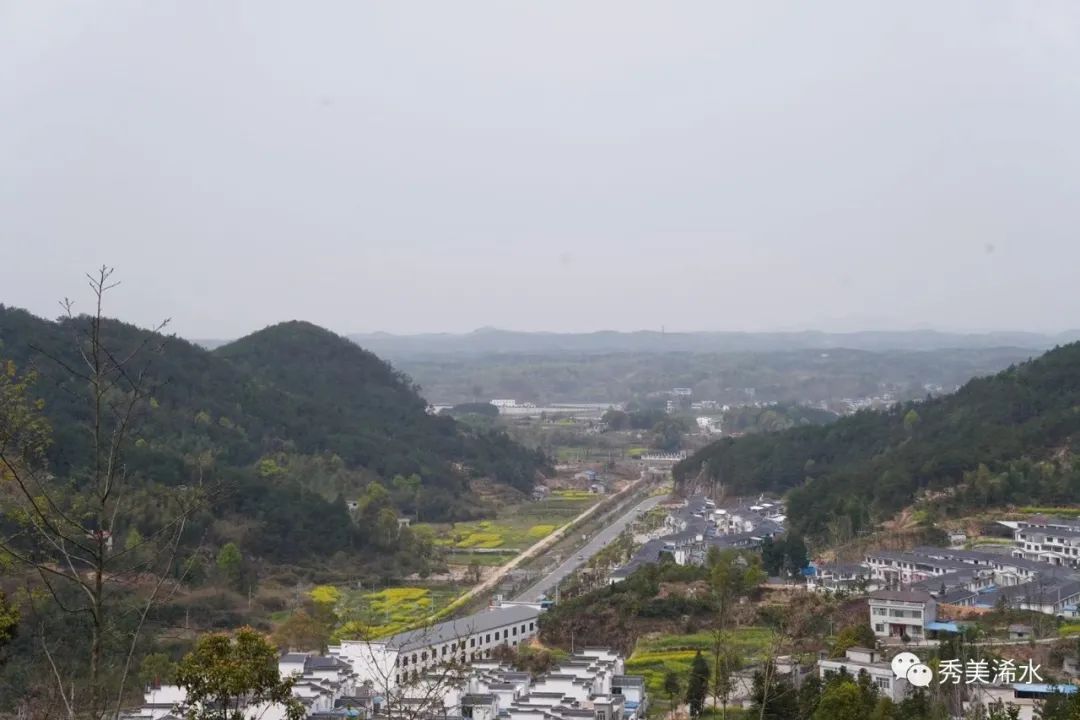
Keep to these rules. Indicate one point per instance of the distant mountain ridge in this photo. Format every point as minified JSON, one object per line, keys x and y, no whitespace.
{"x":495,"y":341}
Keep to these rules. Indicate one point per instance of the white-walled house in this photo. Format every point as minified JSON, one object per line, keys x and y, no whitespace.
{"x":160,"y":701}
{"x":838,"y":577}
{"x":164,"y":701}
{"x":900,"y":613}
{"x":405,"y":657}
{"x":321,"y":685}
{"x":871,"y":662}
{"x":588,"y":685}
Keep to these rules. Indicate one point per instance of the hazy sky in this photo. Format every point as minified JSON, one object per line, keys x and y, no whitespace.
{"x":409,"y":166}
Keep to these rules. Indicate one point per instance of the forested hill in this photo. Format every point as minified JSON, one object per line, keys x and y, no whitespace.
{"x":293,"y":419}
{"x":342,"y":398}
{"x":1007,"y":438}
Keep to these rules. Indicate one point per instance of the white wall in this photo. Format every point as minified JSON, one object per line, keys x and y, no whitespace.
{"x":372,"y":662}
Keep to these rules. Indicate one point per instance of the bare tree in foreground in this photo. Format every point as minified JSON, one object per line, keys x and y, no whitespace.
{"x":65,"y":527}
{"x":415,"y":677}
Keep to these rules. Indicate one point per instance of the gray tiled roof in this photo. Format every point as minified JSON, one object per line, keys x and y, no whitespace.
{"x":477,"y":699}
{"x":294,"y":657}
{"x":462,"y":627}
{"x":957,"y":596}
{"x":901,"y":595}
{"x":319,"y":662}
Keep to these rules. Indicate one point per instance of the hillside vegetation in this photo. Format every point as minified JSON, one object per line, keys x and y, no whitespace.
{"x":1007,"y":438}
{"x":290,"y":422}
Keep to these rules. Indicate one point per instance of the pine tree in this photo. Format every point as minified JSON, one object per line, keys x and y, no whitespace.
{"x":698,"y":685}
{"x":672,"y":687}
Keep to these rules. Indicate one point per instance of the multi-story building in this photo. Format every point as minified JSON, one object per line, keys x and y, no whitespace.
{"x":1052,"y":545}
{"x":896,"y":569}
{"x":403,"y":658}
{"x":902,"y":613}
{"x":971,"y":580}
{"x":838,"y":577}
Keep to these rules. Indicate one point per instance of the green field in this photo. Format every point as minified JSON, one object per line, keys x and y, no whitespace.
{"x":476,"y":558}
{"x":517,"y":527}
{"x":385,"y":612}
{"x":656,"y":655}
{"x":986,"y":540}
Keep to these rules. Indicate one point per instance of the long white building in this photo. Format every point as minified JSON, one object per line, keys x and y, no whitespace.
{"x":403,"y":658}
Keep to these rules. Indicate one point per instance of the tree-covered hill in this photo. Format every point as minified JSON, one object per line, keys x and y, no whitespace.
{"x":291,"y":421}
{"x":1005,"y":438}
{"x":343,"y":399}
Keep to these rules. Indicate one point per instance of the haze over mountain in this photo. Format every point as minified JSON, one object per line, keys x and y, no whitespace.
{"x":553,"y":165}
{"x":495,"y":341}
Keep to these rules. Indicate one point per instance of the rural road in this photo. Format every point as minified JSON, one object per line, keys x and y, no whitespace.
{"x":547,"y":584}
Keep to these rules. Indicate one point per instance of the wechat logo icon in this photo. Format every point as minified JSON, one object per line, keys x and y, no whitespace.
{"x":908,"y":666}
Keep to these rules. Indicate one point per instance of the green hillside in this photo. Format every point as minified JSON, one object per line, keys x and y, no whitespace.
{"x":1007,"y":438}
{"x":290,"y":421}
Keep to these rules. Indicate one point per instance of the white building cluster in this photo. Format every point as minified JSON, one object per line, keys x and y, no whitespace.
{"x":326,"y":687}
{"x":1041,"y":572}
{"x":443,"y":671}
{"x":589,"y":685}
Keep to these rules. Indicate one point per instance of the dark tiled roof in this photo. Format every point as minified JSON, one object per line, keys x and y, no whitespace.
{"x":478,"y":699}
{"x":957,"y":596}
{"x":319,"y":662}
{"x":463,"y":627}
{"x":901,"y":595}
{"x":293,"y":657}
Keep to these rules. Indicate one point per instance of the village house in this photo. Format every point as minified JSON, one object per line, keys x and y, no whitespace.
{"x":589,"y":685}
{"x":839,"y":577}
{"x":902,"y":613}
{"x":1052,"y":545}
{"x":696,"y":527}
{"x":858,"y":660}
{"x":1056,"y":595}
{"x":322,"y":685}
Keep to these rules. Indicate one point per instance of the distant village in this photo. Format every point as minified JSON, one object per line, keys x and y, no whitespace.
{"x":680,"y":400}
{"x":690,"y":531}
